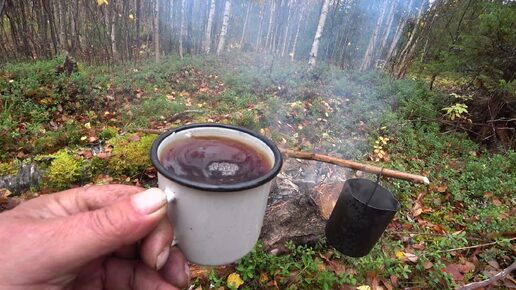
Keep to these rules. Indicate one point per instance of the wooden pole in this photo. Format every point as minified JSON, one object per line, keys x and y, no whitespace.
{"x":333,"y":160}
{"x":355,"y":165}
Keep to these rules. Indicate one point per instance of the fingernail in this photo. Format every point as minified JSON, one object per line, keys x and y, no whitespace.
{"x":149,"y":201}
{"x":187,"y":272}
{"x":162,"y":258}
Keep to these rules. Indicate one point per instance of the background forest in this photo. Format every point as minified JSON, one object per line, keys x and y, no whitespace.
{"x":422,"y":86}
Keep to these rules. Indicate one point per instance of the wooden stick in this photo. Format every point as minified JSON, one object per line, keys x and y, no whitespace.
{"x":490,"y":281}
{"x":333,"y":160}
{"x":355,"y":165}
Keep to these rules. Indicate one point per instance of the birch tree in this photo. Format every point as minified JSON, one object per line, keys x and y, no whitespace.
{"x":207,"y":31}
{"x":370,"y":52}
{"x":249,"y":5}
{"x":182,"y":28}
{"x":224,"y":28}
{"x":156,"y":31}
{"x":301,"y":17}
{"x":271,"y":22}
{"x":318,"y":34}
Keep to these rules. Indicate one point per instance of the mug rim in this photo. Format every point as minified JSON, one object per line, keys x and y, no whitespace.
{"x":278,"y":161}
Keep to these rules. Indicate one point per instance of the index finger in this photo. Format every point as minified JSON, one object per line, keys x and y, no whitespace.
{"x":72,"y":201}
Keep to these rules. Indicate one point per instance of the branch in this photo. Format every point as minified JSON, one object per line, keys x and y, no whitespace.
{"x":333,"y":160}
{"x":490,"y":281}
{"x":473,"y":247}
{"x":355,"y":165}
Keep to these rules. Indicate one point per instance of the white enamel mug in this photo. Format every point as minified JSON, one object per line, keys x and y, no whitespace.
{"x":216,"y":224}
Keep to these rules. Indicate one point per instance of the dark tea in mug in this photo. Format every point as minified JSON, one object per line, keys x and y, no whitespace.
{"x":214,"y":160}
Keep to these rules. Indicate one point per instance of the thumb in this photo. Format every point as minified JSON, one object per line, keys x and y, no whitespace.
{"x":92,"y":234}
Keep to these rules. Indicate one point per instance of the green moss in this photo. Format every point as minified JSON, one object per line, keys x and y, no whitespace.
{"x":8,"y":168}
{"x":64,"y":170}
{"x":108,"y":132}
{"x":130,"y":156}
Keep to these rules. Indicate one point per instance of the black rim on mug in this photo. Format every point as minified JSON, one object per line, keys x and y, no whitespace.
{"x":276,"y":167}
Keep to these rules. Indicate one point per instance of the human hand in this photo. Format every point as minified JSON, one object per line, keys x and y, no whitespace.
{"x":97,"y":237}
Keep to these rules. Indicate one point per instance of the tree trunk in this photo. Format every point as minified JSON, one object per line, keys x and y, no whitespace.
{"x":156,"y":31}
{"x":367,"y":62}
{"x":287,"y":26}
{"x":61,"y":17}
{"x":138,"y":21}
{"x":224,"y":28}
{"x":318,"y":34}
{"x":207,"y":32}
{"x":182,"y":28}
{"x":245,"y":24}
{"x":387,"y":31}
{"x":260,"y":31}
{"x":413,"y":39}
{"x":74,"y":34}
{"x":112,"y":25}
{"x":271,"y":21}
{"x":294,"y":45}
{"x":399,"y":32}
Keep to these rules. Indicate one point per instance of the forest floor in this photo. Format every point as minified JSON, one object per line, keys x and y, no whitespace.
{"x":85,"y":128}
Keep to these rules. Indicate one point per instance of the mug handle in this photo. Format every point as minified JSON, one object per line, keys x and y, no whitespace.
{"x":171,"y":196}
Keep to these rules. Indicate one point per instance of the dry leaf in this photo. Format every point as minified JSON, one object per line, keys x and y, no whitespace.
{"x":497,"y":202}
{"x":364,"y":287}
{"x":442,"y":188}
{"x":427,"y":265}
{"x":453,"y":270}
{"x":133,"y":138}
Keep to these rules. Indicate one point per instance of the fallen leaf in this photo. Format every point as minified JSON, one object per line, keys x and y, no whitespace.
{"x":400,"y":255}
{"x":394,"y":280}
{"x":442,"y":188}
{"x":497,"y":202}
{"x":453,"y":270}
{"x":364,"y":287}
{"x":411,"y":257}
{"x":427,"y":265}
{"x":133,"y":138}
{"x":494,"y":264}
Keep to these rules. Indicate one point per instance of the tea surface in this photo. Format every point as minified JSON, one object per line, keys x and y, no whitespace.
{"x":214,"y":160}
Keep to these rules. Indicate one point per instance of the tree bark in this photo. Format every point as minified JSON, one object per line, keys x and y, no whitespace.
{"x":112,"y":26}
{"x":318,"y":34}
{"x":260,"y":31}
{"x":182,"y":28}
{"x":287,"y":27}
{"x":294,"y":45}
{"x":387,"y":31}
{"x":224,"y":28}
{"x":399,"y":32}
{"x":245,"y":25}
{"x":156,"y":31}
{"x":367,"y":62}
{"x":207,"y":32}
{"x":271,"y":21}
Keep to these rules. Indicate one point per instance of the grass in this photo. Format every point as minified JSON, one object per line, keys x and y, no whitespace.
{"x":326,"y":110}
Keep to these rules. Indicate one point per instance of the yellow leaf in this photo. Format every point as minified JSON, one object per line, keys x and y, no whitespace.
{"x":234,"y":280}
{"x":131,"y":17}
{"x":400,"y":255}
{"x":87,"y":125}
{"x":102,"y":2}
{"x":364,"y":287}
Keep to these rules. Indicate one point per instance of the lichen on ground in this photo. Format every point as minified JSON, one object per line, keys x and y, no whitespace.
{"x":130,"y":155}
{"x":8,"y":168}
{"x":65,"y":170}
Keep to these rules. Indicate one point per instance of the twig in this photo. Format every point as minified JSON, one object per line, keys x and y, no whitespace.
{"x":355,"y":165}
{"x":490,"y":281}
{"x":401,"y":233}
{"x":472,"y":247}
